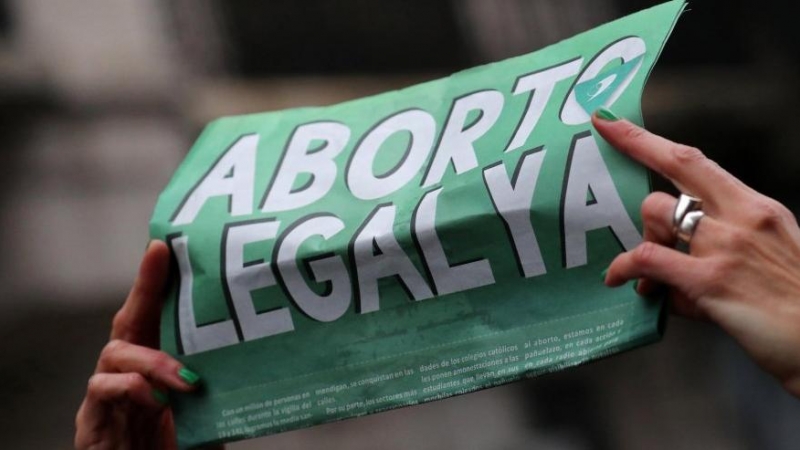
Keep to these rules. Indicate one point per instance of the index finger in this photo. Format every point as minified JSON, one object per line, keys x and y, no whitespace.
{"x":685,"y":166}
{"x":138,"y":319}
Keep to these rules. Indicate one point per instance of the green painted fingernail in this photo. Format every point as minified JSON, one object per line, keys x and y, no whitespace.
{"x":606,"y":114}
{"x":160,"y":396}
{"x":636,"y":286}
{"x":188,"y":376}
{"x":603,"y":274}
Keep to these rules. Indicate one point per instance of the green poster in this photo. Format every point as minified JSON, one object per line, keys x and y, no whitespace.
{"x":428,"y":242}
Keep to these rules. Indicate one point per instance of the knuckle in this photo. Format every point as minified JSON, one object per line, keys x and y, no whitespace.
{"x":113,"y":347}
{"x":685,"y":155}
{"x":644,"y":254}
{"x":161,"y":363}
{"x":633,"y":133}
{"x":134,"y":381}
{"x":94,"y":385}
{"x":651,"y":207}
{"x":768,"y":214}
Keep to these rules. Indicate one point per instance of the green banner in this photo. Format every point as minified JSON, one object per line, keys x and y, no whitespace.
{"x":410,"y":246}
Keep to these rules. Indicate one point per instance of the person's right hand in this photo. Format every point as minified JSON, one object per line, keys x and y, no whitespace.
{"x":742,"y":271}
{"x":126,"y":401}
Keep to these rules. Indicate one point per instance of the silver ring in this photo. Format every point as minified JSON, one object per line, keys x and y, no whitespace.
{"x":688,"y":225}
{"x":686,"y":204}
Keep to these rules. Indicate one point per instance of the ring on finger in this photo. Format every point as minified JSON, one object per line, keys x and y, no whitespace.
{"x":686,"y":204}
{"x":688,"y":226}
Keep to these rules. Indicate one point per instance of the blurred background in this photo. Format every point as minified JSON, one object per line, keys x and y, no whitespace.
{"x":100,"y":100}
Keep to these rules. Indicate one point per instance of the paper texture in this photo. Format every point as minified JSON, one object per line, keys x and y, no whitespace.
{"x":334,"y":262}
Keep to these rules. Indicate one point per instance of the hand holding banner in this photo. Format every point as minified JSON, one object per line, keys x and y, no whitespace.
{"x":410,"y":246}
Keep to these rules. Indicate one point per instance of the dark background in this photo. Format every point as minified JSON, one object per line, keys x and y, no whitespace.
{"x":100,"y":100}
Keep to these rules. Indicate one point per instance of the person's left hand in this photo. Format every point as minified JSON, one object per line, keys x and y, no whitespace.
{"x":126,"y":401}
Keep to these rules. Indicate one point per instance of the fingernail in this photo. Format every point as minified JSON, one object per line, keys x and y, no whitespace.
{"x":149,"y":243}
{"x":160,"y":396}
{"x":603,"y":274}
{"x":188,"y":376}
{"x":606,"y":114}
{"x":636,"y":286}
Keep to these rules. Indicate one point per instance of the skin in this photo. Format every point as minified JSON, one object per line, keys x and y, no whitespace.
{"x":742,"y":272}
{"x":120,"y":410}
